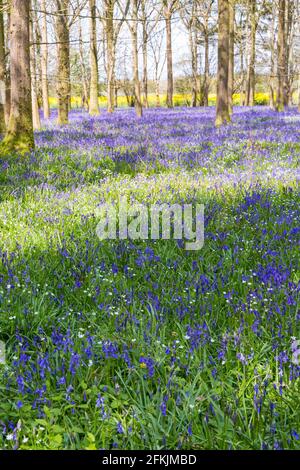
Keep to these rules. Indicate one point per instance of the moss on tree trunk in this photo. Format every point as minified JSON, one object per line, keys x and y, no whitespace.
{"x":19,"y":133}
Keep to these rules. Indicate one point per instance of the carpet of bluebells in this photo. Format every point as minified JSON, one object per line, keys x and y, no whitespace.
{"x":142,"y":344}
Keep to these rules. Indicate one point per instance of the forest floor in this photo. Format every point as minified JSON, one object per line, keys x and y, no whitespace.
{"x":136,"y":344}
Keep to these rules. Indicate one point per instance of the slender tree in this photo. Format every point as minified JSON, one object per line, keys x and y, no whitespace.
{"x":299,"y":92}
{"x":222,"y":114}
{"x":231,"y":56}
{"x":159,"y":60}
{"x":244,"y":53}
{"x":63,"y":60}
{"x":2,"y":72}
{"x":132,"y":23}
{"x":137,"y":89}
{"x":145,"y":54}
{"x":169,"y":7}
{"x":289,"y":50}
{"x":206,"y":29}
{"x":84,"y":80}
{"x":281,"y":99}
{"x":188,"y":13}
{"x":34,"y":98}
{"x":7,"y":77}
{"x":149,"y":22}
{"x":19,"y":132}
{"x":195,"y":72}
{"x":272,"y":58}
{"x":205,"y":86}
{"x":44,"y":62}
{"x":250,"y":94}
{"x":93,"y":106}
{"x":37,"y":47}
{"x":112,"y":30}
{"x":298,"y":32}
{"x":110,"y":51}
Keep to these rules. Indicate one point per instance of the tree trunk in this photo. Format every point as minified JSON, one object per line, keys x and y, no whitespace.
{"x":37,"y":47}
{"x":2,"y":72}
{"x":281,"y":57}
{"x":84,"y":84}
{"x":242,"y":94}
{"x":137,"y":90}
{"x":110,"y":48}
{"x":288,"y":80}
{"x":222,"y":115}
{"x":145,"y":67}
{"x":63,"y":65}
{"x":44,"y":63}
{"x":145,"y":56}
{"x":116,"y":96}
{"x":19,"y":133}
{"x":7,"y":76}
{"x":169,"y":60}
{"x":193,"y":49}
{"x":272,"y":71}
{"x":272,"y":98}
{"x":157,"y":93}
{"x":34,"y":97}
{"x":93,"y":108}
{"x":244,"y":58}
{"x":251,"y":62}
{"x":299,"y":93}
{"x":231,"y":56}
{"x":206,"y":67}
{"x":298,"y":32}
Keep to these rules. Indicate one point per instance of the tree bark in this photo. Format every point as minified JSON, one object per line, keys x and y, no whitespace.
{"x":2,"y":73}
{"x":194,"y":61}
{"x":63,"y":65}
{"x":44,"y":63}
{"x":244,"y":58}
{"x":251,"y":62}
{"x":116,"y":95}
{"x":168,"y":16}
{"x":272,"y":68}
{"x":36,"y":121}
{"x":137,"y":90}
{"x":231,"y":56}
{"x":37,"y":47}
{"x":206,"y":67}
{"x":242,"y":91}
{"x":157,"y":93}
{"x":290,"y":6}
{"x":84,"y":81}
{"x":145,"y":60}
{"x":281,"y":99}
{"x":298,"y":32}
{"x":222,"y":114}
{"x":299,"y":93}
{"x":19,"y":133}
{"x":93,"y":108}
{"x":110,"y":50}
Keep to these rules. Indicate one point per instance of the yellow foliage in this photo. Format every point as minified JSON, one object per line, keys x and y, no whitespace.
{"x":183,"y":99}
